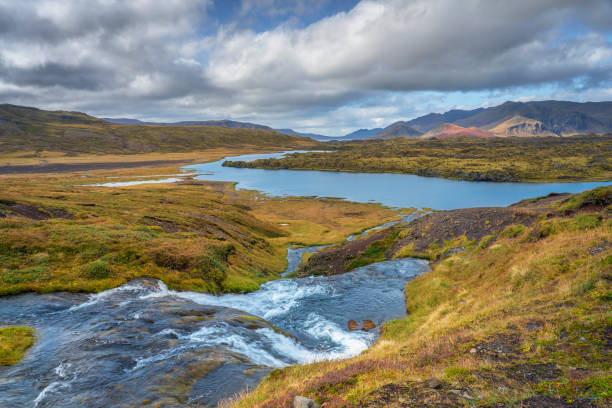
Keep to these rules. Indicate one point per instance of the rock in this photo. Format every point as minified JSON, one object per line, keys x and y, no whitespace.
{"x":433,"y":383}
{"x":368,"y":325}
{"x":473,"y":351}
{"x":303,"y":402}
{"x":352,"y":325}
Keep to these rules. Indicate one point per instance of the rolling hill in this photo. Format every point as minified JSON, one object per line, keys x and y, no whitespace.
{"x":31,"y":129}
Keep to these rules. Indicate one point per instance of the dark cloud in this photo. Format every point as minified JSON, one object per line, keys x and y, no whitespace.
{"x":150,"y":58}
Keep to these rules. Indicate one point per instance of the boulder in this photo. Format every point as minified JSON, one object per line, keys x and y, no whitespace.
{"x":367,"y":325}
{"x":352,"y":325}
{"x":303,"y":402}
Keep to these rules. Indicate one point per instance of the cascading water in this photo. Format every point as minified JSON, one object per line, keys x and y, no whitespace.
{"x":142,"y":343}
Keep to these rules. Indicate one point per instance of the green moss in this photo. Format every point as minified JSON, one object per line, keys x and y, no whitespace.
{"x":512,"y":231}
{"x":14,"y":343}
{"x":586,"y":221}
{"x":97,"y":270}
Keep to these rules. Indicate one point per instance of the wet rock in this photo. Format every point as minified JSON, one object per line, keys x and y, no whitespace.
{"x":303,"y":402}
{"x":367,"y":325}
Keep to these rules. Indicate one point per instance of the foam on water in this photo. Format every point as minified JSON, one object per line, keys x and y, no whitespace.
{"x":353,"y":343}
{"x":272,"y":299}
{"x":100,"y":297}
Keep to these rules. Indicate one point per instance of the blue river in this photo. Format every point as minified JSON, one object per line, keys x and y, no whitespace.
{"x":393,"y":190}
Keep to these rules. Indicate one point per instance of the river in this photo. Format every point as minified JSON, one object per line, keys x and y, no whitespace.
{"x":393,"y":190}
{"x":142,"y":344}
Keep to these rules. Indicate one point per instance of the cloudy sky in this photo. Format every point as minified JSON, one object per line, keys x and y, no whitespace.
{"x":325,"y":66}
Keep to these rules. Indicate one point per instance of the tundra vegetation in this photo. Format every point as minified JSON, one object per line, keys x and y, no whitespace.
{"x":536,"y":159}
{"x":30,"y":129}
{"x":56,"y":233}
{"x":516,"y":312}
{"x":14,"y":342}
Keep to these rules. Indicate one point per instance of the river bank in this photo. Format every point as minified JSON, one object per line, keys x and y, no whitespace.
{"x":512,"y":159}
{"x":519,"y":318}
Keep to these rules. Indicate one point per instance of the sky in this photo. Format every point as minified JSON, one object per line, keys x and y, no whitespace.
{"x":321,"y":66}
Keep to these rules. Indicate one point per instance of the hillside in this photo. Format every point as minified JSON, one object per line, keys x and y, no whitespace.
{"x":448,"y":130}
{"x":514,"y":313}
{"x":221,"y":123}
{"x":432,"y":120}
{"x":397,"y":129}
{"x":31,"y":129}
{"x":519,"y":126}
{"x":476,"y":158}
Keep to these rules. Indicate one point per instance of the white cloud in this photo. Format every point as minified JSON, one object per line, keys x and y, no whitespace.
{"x":377,"y":62}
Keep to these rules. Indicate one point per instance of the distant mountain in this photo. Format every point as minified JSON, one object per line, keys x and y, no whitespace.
{"x":447,"y":130}
{"x":432,"y":120}
{"x":537,"y":118}
{"x":314,"y":136}
{"x":221,"y":123}
{"x":397,"y":129}
{"x":31,"y":129}
{"x":126,"y":121}
{"x":358,"y":134}
{"x":361,"y":134}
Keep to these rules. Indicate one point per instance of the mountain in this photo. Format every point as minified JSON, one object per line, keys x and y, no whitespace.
{"x":31,"y":129}
{"x":537,"y":118}
{"x":314,"y":136}
{"x":127,"y":121}
{"x":361,"y":134}
{"x":397,"y":129}
{"x":432,"y":120}
{"x":221,"y":123}
{"x":519,"y":126}
{"x":358,"y":134}
{"x":447,"y":130}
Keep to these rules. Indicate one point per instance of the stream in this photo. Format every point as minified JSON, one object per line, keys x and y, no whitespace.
{"x":142,"y":344}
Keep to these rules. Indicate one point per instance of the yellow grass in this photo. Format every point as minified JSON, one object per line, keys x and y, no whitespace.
{"x":546,"y":299}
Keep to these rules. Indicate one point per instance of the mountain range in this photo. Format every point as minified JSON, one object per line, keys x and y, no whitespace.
{"x":515,"y":119}
{"x":358,"y":134}
{"x":510,"y":119}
